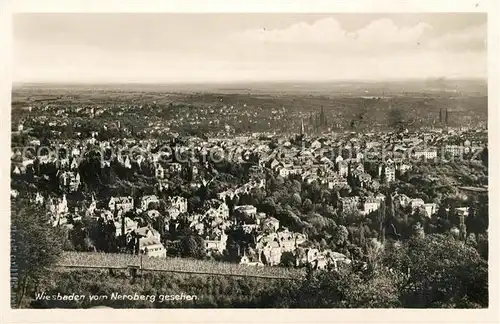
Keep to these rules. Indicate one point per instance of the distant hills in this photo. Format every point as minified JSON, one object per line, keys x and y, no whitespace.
{"x":357,"y":88}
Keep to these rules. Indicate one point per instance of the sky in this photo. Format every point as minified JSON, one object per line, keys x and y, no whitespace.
{"x":183,"y":48}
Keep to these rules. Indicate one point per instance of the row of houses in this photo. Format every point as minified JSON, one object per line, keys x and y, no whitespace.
{"x":368,"y":205}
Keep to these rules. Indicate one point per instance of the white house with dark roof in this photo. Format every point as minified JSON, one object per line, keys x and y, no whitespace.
{"x":152,"y":247}
{"x":123,"y":204}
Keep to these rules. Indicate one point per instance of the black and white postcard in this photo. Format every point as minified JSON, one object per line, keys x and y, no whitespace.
{"x":250,"y":160}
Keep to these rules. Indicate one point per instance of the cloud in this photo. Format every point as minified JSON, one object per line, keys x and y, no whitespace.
{"x":378,"y":37}
{"x":470,"y":39}
{"x":386,"y":32}
{"x":329,"y":31}
{"x":322,"y":50}
{"x":321,"y":31}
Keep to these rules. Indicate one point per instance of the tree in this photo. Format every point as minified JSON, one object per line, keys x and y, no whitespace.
{"x":322,"y":243}
{"x":340,"y":235}
{"x":159,"y":225}
{"x":471,"y":240}
{"x":482,"y":245}
{"x":153,"y":205}
{"x":478,"y":220}
{"x":381,"y":220}
{"x":296,"y":201}
{"x":444,"y":272}
{"x":374,"y":249}
{"x":35,"y":249}
{"x":194,"y":202}
{"x":335,"y":289}
{"x":307,"y":205}
{"x":193,"y":246}
{"x":391,"y":213}
{"x":484,"y":156}
{"x":442,"y":213}
{"x":362,"y":238}
{"x":287,"y":259}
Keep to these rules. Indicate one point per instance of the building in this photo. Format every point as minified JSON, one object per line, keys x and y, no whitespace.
{"x":271,"y":222}
{"x":215,"y":209}
{"x":146,"y":200}
{"x":58,"y":206}
{"x":380,"y":197}
{"x":349,"y":204}
{"x":129,"y":226}
{"x":311,"y":255}
{"x":246,"y":214}
{"x":284,"y":172}
{"x":389,"y":173}
{"x":217,"y":242}
{"x":179,"y":203}
{"x":343,"y":168}
{"x":104,"y":214}
{"x":402,"y":200}
{"x":370,"y":205}
{"x":454,"y":150}
{"x":152,"y":247}
{"x":416,"y":203}
{"x":337,"y":181}
{"x":162,"y":185}
{"x":249,"y":228}
{"x":69,"y":181}
{"x":251,"y":261}
{"x":123,"y":204}
{"x":289,"y":241}
{"x":430,"y":209}
{"x":338,"y":258}
{"x":159,"y":171}
{"x":270,"y":253}
{"x":426,"y":154}
{"x":39,"y":199}
{"x":463,"y":211}
{"x":174,"y":167}
{"x":403,"y":168}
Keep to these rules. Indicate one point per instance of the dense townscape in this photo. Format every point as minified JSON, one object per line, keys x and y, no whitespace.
{"x":333,"y":193}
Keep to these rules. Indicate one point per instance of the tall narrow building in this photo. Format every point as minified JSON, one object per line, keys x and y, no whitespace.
{"x":302,"y":131}
{"x":441,"y":116}
{"x":446,"y":117}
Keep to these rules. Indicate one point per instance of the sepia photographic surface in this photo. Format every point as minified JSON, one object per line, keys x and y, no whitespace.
{"x":249,"y":160}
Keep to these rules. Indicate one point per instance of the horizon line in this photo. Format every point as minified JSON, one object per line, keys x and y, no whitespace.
{"x":229,"y":82}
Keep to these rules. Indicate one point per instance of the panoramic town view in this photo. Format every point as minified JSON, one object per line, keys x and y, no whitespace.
{"x":316,"y":162}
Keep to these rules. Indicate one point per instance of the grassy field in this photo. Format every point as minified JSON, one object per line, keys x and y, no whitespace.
{"x":211,"y":291}
{"x":181,"y":265}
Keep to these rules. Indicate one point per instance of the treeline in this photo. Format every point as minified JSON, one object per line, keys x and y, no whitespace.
{"x":427,"y":272}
